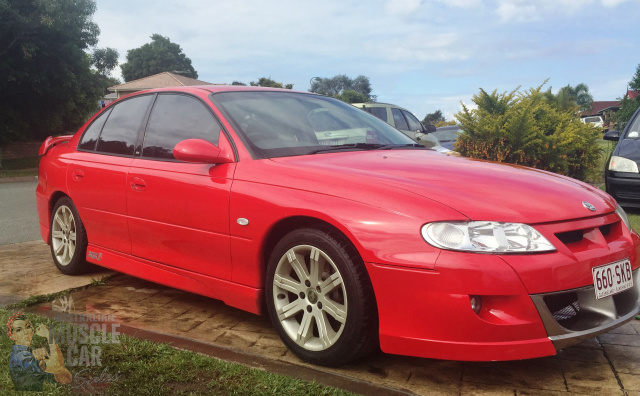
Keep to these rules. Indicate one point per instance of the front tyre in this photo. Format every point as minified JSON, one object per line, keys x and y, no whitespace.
{"x":68,"y":239}
{"x":319,"y":297}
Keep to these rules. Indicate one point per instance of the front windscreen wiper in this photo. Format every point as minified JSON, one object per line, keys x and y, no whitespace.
{"x":366,"y":146}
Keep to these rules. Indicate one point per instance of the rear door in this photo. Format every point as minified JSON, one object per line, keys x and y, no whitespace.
{"x":179,"y":212}
{"x":97,"y":172}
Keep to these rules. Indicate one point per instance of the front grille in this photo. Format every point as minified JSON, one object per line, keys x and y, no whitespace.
{"x":563,"y":307}
{"x":583,"y":239}
{"x":570,"y":236}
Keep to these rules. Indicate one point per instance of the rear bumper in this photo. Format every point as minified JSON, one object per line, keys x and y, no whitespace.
{"x":42,"y":205}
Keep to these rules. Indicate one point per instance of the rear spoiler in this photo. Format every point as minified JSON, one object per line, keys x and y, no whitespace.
{"x":53,"y":141}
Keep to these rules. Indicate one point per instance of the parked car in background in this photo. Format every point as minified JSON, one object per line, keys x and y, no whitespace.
{"x":404,"y":121}
{"x":594,"y":120}
{"x":621,"y":174}
{"x":233,"y":192}
{"x":447,"y":135}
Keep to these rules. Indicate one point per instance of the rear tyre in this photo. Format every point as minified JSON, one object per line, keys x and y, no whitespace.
{"x":319,"y":297}
{"x":68,"y":238}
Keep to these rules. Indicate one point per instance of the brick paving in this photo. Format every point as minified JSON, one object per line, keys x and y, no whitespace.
{"x":607,"y":365}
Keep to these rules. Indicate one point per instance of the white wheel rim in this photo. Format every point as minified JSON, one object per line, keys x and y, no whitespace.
{"x":63,"y":235}
{"x":310,"y":298}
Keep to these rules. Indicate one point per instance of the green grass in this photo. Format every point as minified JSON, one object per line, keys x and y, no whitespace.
{"x":18,"y":167}
{"x":139,"y":367}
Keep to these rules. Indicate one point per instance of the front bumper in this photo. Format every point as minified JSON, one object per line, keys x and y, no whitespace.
{"x":427,"y":313}
{"x":573,"y":316}
{"x":625,"y":188}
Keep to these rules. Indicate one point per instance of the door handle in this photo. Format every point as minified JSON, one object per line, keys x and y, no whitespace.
{"x":138,"y":184}
{"x":77,"y":174}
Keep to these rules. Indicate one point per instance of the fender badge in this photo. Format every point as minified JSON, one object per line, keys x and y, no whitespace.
{"x":588,"y":206}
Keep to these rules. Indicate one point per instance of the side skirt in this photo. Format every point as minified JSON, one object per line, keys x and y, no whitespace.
{"x":233,"y":294}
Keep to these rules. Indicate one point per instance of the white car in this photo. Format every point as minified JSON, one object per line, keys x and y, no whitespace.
{"x":594,"y":120}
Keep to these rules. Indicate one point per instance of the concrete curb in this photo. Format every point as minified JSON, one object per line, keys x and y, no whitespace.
{"x":18,"y":179}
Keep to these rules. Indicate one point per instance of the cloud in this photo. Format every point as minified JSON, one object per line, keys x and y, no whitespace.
{"x":462,"y":3}
{"x":402,"y":7}
{"x":528,"y":11}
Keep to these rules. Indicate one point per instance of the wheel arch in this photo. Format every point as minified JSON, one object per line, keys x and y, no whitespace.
{"x":52,"y":202}
{"x":286,"y":225}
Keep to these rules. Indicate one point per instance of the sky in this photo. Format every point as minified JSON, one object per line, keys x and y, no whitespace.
{"x":423,"y":55}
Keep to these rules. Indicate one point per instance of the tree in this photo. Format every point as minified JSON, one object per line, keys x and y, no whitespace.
{"x":628,"y":106}
{"x":268,"y":82}
{"x":433,"y":118}
{"x":524,"y":128}
{"x":105,"y":60}
{"x":635,"y":80}
{"x":48,"y":85}
{"x":336,"y":85}
{"x":160,"y":55}
{"x":575,"y":98}
{"x":238,"y":83}
{"x":350,"y":96}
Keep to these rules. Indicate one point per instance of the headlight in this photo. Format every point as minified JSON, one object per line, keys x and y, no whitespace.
{"x":486,"y":237}
{"x":623,"y":216}
{"x":620,"y":164}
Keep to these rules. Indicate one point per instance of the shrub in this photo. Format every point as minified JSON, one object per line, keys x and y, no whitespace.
{"x":524,"y":128}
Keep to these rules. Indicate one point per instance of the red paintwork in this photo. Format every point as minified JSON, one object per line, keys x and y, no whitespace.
{"x":175,"y":223}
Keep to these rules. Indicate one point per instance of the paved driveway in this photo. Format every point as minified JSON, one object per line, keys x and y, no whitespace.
{"x":607,"y":365}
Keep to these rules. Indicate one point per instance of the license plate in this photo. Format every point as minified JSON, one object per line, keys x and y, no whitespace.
{"x":612,"y":278}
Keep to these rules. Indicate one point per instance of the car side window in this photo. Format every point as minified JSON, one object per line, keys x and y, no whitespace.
{"x":175,"y":118}
{"x":120,"y":132}
{"x":380,"y":112}
{"x":414,"y":124}
{"x":90,"y":136}
{"x":399,"y":120}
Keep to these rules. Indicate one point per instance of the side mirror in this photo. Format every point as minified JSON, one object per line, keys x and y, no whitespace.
{"x":430,"y":128}
{"x":200,"y":151}
{"x":611,"y":135}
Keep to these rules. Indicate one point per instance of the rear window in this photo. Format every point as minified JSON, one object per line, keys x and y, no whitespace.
{"x":120,"y":133}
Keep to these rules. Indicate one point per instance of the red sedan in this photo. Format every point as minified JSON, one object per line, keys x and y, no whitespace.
{"x":346,"y":233}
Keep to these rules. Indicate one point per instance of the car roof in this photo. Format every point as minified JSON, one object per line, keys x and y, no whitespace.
{"x":220,"y":88}
{"x":379,"y":104}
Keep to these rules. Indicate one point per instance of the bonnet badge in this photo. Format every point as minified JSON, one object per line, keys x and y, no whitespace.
{"x":588,"y":206}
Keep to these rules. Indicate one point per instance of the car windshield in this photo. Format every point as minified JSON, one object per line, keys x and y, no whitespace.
{"x":593,"y":119}
{"x":446,"y":135}
{"x":279,"y":124}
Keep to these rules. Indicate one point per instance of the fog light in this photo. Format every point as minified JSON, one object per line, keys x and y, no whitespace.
{"x":476,"y":303}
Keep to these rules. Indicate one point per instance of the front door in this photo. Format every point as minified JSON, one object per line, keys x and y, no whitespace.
{"x":179,"y":212}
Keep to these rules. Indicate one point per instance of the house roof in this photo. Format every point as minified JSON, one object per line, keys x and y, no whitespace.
{"x":632,"y":94}
{"x":599,"y":107}
{"x":160,"y":80}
